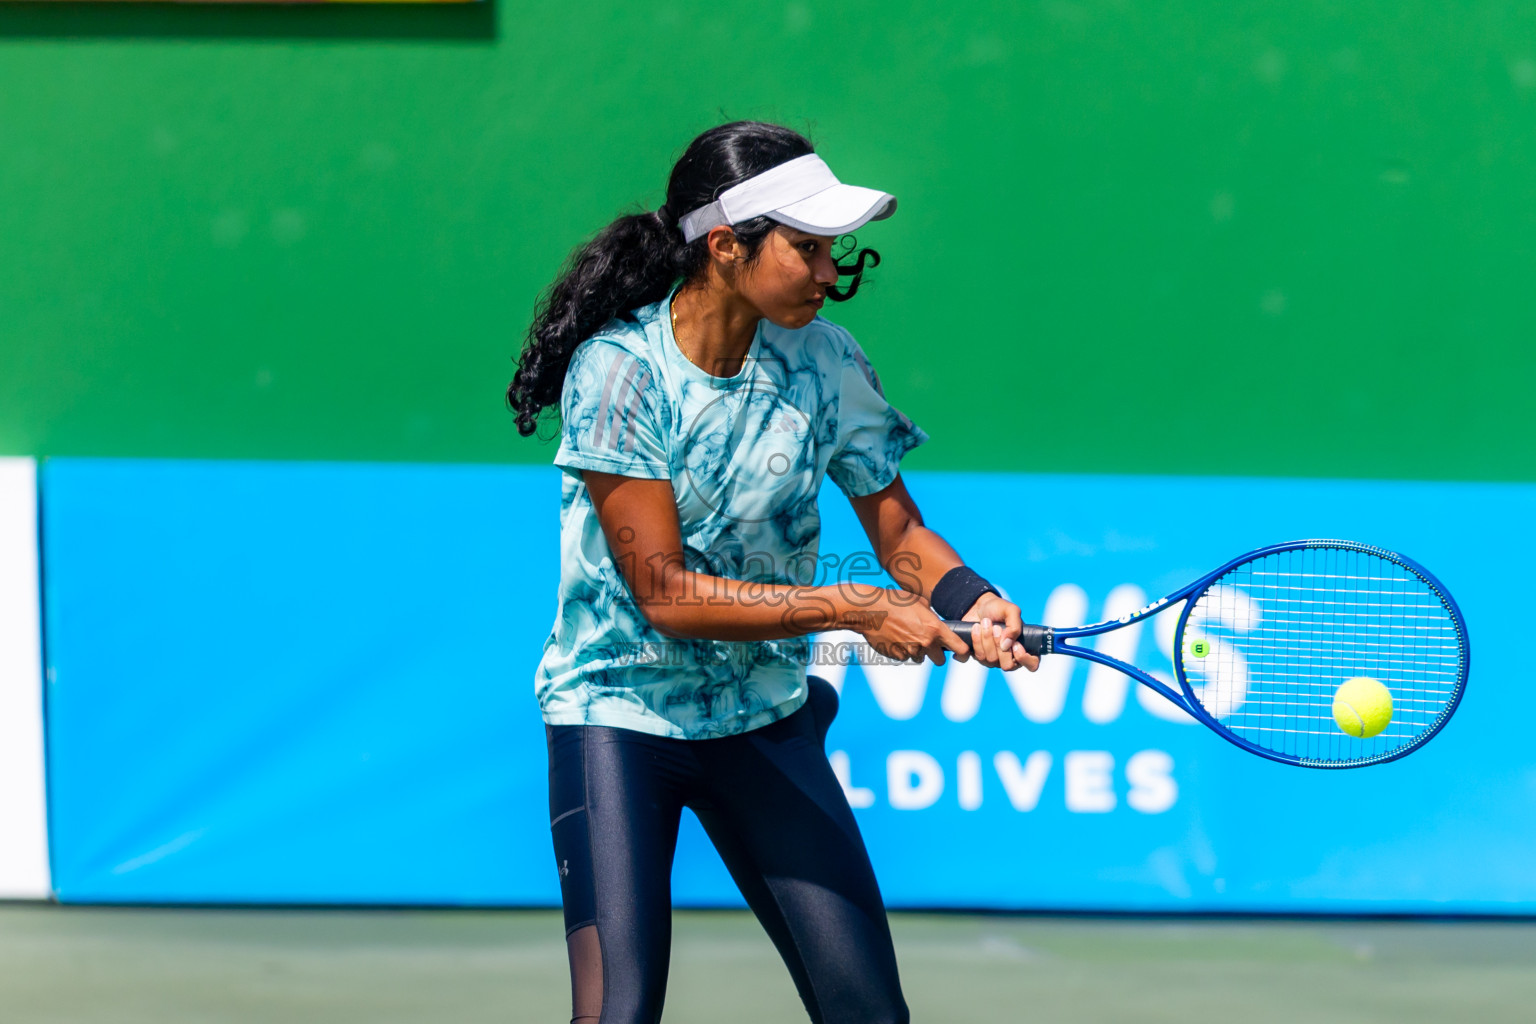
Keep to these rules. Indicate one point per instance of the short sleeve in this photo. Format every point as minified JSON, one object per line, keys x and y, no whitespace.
{"x":872,"y":434}
{"x":612,"y":414}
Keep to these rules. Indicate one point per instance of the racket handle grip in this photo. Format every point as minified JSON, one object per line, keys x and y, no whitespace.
{"x":1037,"y":640}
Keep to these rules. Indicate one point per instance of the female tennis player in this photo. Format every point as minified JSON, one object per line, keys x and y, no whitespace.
{"x":702,"y":399}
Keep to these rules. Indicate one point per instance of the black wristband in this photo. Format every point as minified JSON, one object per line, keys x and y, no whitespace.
{"x":957,"y":591}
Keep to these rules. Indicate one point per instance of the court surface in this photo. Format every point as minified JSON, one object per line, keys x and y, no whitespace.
{"x":170,"y":966}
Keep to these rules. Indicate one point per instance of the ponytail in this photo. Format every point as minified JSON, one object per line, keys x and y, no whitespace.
{"x":631,"y":263}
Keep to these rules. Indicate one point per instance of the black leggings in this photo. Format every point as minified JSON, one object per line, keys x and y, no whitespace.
{"x":777,"y":815}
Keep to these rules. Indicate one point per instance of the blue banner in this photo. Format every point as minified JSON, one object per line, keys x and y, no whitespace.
{"x":297,"y":682}
{"x":313,"y":683}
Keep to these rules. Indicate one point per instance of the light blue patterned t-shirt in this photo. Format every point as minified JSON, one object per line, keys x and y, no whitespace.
{"x":746,"y":456}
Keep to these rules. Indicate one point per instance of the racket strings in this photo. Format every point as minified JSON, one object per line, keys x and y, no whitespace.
{"x":1266,"y":647}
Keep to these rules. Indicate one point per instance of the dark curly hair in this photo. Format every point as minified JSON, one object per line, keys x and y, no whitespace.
{"x":635,"y":260}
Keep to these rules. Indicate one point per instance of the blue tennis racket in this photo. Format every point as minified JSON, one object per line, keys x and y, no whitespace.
{"x":1264,"y":643}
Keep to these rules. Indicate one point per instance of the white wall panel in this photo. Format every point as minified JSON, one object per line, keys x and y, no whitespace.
{"x":23,"y":805}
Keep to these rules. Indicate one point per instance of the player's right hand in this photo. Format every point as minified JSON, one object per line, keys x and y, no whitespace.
{"x":900,"y":625}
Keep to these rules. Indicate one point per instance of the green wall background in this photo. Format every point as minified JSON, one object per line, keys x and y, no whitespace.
{"x":1187,"y":237}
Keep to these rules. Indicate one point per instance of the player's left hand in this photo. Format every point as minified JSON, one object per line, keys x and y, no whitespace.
{"x":994,"y":641}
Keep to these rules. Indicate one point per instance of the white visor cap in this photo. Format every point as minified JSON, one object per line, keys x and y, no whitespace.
{"x":803,"y":193}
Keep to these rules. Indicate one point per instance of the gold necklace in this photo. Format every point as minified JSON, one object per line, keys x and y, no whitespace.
{"x":672,"y":306}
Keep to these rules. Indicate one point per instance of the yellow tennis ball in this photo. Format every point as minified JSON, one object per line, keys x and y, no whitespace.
{"x":1362,"y":707}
